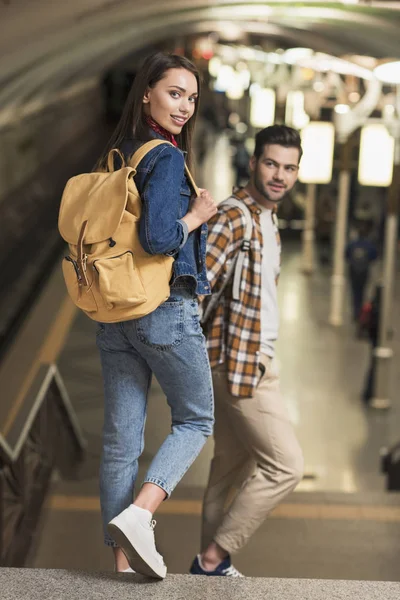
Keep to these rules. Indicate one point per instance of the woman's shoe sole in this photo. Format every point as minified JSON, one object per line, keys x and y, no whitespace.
{"x":135,"y":560}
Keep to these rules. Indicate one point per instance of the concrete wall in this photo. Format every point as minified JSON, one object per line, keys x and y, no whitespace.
{"x":33,"y":139}
{"x":38,"y":153}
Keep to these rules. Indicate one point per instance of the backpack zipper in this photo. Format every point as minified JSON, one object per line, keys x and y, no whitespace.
{"x":110,"y":258}
{"x":69,"y":259}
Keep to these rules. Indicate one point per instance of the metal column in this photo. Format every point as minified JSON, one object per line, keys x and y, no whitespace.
{"x":384,"y":352}
{"x":308,"y":231}
{"x":338,"y":281}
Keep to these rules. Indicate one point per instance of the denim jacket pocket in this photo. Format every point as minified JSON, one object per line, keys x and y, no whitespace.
{"x":163,"y":328}
{"x":185,"y":187}
{"x":185,"y":193}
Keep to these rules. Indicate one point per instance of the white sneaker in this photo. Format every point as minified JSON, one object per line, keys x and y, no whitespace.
{"x":232,"y":572}
{"x":133,"y":531}
{"x":128,"y":570}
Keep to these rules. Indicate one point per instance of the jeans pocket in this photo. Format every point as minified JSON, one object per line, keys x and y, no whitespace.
{"x":194,"y":318}
{"x":261,"y":374}
{"x":163,"y":328}
{"x":267,"y":370}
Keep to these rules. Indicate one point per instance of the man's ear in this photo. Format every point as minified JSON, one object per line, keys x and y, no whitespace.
{"x":253,"y":163}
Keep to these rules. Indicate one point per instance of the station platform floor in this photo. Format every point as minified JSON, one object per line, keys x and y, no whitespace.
{"x":339,"y":524}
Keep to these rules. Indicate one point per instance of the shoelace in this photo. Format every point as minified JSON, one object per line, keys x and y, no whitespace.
{"x":153,"y":523}
{"x":232,"y":572}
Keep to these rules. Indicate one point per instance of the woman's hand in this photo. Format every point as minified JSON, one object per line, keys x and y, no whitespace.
{"x":202,"y":209}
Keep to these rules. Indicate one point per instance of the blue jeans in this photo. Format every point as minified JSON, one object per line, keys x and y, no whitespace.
{"x":169,"y":343}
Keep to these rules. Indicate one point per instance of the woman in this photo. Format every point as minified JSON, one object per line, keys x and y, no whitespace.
{"x":168,"y":342}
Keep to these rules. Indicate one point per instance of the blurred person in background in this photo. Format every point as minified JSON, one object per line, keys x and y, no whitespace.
{"x":360,"y":255}
{"x":240,"y":163}
{"x":369,"y":322}
{"x":326,"y":216}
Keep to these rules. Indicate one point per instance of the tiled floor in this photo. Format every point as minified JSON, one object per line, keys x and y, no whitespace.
{"x":339,"y":524}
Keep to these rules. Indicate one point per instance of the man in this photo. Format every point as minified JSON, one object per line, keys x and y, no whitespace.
{"x":256,"y":451}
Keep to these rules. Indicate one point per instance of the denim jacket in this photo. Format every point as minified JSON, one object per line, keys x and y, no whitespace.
{"x":165,"y":195}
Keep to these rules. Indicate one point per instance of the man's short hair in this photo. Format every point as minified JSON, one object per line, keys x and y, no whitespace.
{"x":280,"y":135}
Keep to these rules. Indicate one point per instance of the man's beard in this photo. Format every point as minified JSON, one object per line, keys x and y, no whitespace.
{"x":261,"y":190}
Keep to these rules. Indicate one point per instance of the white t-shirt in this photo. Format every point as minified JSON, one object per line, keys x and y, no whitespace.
{"x":270,"y":269}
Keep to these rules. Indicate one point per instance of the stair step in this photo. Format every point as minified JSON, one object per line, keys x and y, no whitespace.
{"x":43,"y":584}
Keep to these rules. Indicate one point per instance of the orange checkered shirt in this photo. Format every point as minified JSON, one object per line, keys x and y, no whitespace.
{"x":234,"y":329}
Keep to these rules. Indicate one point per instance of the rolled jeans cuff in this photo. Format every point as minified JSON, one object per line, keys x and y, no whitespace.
{"x":159,"y":483}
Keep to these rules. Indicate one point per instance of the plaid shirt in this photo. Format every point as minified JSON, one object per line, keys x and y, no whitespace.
{"x":234,"y":330}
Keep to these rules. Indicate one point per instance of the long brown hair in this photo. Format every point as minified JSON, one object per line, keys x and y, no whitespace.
{"x":132,"y":122}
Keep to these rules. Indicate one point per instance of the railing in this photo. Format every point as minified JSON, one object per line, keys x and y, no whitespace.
{"x":44,"y":437}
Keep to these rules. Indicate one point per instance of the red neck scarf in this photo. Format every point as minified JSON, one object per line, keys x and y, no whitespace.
{"x":161,"y":131}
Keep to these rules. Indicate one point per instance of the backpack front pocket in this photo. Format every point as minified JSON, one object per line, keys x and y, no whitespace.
{"x":82,"y":296}
{"x":119,"y":281}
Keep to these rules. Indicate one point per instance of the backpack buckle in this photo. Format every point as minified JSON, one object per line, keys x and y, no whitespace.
{"x":81,"y":264}
{"x":82,"y":257}
{"x":245,"y":245}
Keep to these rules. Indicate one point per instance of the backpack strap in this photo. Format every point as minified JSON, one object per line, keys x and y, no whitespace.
{"x":236,"y":266}
{"x":193,"y":184}
{"x":110,"y":159}
{"x":146,"y":148}
{"x":245,"y":246}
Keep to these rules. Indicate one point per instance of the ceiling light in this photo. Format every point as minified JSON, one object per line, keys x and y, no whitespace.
{"x":354,"y":96}
{"x":318,"y":141}
{"x":318,"y":86}
{"x":292,"y":55}
{"x":262,"y":108}
{"x":375,"y":165}
{"x":342,"y":109}
{"x":214,"y":66}
{"x":325,"y":62}
{"x":388,"y":72}
{"x":226,"y":79}
{"x":388,"y":111}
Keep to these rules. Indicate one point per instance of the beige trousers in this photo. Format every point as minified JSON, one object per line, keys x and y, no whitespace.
{"x":256,"y":453}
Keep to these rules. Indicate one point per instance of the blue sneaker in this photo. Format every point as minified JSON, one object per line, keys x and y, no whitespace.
{"x":224,"y":569}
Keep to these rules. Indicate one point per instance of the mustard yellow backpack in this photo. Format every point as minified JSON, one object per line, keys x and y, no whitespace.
{"x":107,"y":273}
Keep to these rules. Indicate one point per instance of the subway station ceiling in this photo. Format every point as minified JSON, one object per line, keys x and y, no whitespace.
{"x":45,"y":46}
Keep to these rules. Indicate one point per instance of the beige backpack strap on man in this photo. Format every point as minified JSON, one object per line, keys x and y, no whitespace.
{"x":236,"y":266}
{"x":108,"y":274}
